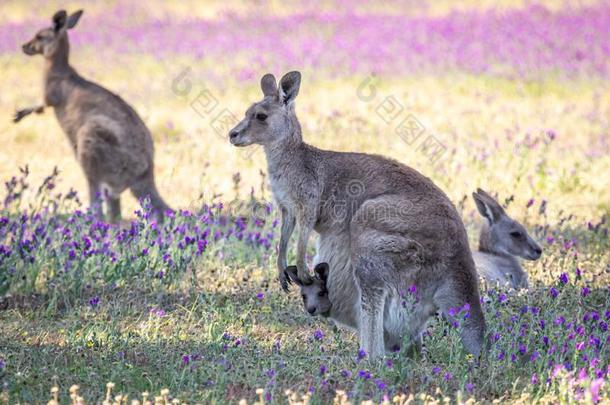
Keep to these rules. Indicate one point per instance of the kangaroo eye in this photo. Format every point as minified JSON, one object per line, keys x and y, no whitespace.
{"x":516,"y":234}
{"x":261,"y":116}
{"x":304,"y":297}
{"x":321,"y":294}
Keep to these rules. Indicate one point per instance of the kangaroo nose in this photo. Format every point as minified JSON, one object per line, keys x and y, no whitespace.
{"x":536,"y":253}
{"x":311,"y":310}
{"x":233,"y":134}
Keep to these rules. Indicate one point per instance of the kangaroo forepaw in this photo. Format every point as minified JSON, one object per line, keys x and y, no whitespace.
{"x":305,"y":277}
{"x":20,"y":114}
{"x":285,"y":281}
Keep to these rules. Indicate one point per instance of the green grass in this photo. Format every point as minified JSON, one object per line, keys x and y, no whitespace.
{"x":126,"y":338}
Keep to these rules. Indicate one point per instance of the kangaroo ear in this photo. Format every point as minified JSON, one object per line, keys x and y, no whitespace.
{"x":73,"y":19}
{"x":59,"y":20}
{"x":289,"y":87}
{"x":487,"y":206}
{"x":322,"y":270}
{"x":269,"y":85}
{"x":293,"y":275}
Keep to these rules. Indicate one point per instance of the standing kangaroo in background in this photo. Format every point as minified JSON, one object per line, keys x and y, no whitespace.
{"x":380,"y":223}
{"x":502,"y":240}
{"x":111,"y":143}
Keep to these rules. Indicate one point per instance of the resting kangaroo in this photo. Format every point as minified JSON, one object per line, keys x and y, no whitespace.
{"x":110,"y":141}
{"x":380,"y":223}
{"x":502,"y":240}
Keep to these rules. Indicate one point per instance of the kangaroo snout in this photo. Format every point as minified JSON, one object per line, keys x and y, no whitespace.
{"x":535,"y":253}
{"x":27,"y":49}
{"x":238,"y":135}
{"x":233,"y":135}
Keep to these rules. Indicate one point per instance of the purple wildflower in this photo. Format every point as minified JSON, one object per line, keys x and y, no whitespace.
{"x":595,"y":387}
{"x":157,"y":312}
{"x":93,"y":302}
{"x":381,"y":386}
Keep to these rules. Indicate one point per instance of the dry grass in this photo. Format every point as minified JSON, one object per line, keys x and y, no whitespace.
{"x":471,"y":116}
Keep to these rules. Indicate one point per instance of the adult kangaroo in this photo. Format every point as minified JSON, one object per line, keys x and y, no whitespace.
{"x":383,"y":223}
{"x":111,"y":143}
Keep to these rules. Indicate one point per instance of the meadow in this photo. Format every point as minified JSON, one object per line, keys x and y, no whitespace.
{"x":509,"y":96}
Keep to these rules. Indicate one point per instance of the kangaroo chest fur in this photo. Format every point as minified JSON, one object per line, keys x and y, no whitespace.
{"x":280,"y":188}
{"x":56,"y":96}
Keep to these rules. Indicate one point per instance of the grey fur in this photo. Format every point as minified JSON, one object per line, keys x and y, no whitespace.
{"x":110,"y":141}
{"x":501,"y":242}
{"x":382,"y":225}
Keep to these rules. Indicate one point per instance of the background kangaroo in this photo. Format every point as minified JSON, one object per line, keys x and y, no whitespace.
{"x":501,"y":241}
{"x":111,"y":142}
{"x":380,"y":222}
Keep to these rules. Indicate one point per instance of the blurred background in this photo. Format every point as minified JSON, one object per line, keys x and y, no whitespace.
{"x":510,"y":96}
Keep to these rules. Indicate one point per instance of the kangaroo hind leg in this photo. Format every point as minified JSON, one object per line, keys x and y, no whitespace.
{"x":145,"y":187}
{"x":373,"y":293}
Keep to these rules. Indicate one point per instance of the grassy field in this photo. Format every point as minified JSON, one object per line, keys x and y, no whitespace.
{"x":519,"y":106}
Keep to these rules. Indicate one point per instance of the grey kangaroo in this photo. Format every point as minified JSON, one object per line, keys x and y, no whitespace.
{"x":501,"y":241}
{"x":111,"y":143}
{"x":382,"y":225}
